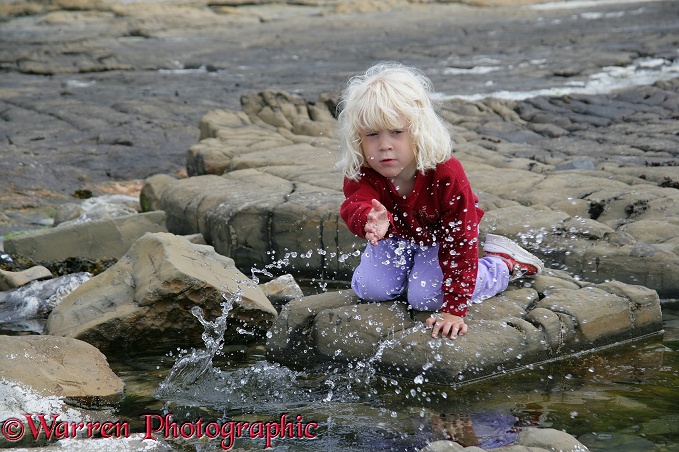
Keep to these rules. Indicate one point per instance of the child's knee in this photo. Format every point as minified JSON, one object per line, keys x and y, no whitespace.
{"x":376,"y":283}
{"x":424,"y":297}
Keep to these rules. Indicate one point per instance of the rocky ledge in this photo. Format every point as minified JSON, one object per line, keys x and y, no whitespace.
{"x":585,"y":182}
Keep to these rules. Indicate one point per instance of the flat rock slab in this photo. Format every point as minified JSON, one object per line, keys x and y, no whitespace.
{"x":97,"y":240}
{"x":555,"y":318}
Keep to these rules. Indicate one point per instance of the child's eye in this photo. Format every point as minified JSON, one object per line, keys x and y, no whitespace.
{"x":371,"y":134}
{"x":396,"y":132}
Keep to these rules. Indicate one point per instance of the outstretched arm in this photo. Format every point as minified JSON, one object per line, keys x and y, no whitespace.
{"x":378,"y":222}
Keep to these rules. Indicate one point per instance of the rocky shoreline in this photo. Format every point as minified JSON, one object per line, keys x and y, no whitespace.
{"x":586,"y":181}
{"x":251,"y":199}
{"x":98,"y":96}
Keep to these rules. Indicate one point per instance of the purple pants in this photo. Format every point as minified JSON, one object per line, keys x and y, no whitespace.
{"x":395,"y":265}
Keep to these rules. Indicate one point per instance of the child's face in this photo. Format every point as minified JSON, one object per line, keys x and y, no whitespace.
{"x":390,"y":152}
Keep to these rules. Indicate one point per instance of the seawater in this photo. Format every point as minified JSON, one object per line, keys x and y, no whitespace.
{"x":621,"y":398}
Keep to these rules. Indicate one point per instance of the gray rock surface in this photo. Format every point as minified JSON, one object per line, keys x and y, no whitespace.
{"x":100,"y":95}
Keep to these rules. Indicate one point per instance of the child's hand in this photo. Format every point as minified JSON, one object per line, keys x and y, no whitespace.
{"x":447,"y":324}
{"x":378,"y":223}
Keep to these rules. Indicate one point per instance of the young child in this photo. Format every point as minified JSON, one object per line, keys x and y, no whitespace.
{"x":411,"y":200}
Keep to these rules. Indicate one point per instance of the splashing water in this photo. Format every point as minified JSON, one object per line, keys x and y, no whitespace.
{"x":349,"y":400}
{"x":291,"y":259}
{"x":195,"y":380}
{"x":191,"y":366}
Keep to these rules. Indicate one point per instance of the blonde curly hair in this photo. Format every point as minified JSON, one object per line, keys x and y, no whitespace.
{"x":377,"y":100}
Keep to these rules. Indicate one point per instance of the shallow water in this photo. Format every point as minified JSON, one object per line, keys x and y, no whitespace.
{"x":621,"y":398}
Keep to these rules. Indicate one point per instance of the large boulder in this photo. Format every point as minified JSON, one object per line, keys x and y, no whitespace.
{"x":60,"y":366}
{"x":557,"y":316}
{"x":147,"y":301}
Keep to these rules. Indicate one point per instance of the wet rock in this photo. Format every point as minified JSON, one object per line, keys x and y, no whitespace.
{"x":151,"y":291}
{"x":351,"y":332}
{"x":555,"y":318}
{"x":282,"y":290}
{"x":97,"y":240}
{"x":549,"y":439}
{"x":533,"y":439}
{"x":291,"y":332}
{"x":12,"y":280}
{"x":60,"y":366}
{"x":152,"y":190}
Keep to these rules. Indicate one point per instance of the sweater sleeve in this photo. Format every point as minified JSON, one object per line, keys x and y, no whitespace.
{"x":355,"y":208}
{"x":458,"y":248}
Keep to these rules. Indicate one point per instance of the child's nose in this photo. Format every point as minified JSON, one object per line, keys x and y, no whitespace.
{"x":385,"y":143}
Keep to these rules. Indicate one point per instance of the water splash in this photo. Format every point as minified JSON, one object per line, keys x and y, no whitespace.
{"x":189,"y":367}
{"x":360,"y":380}
{"x":194,"y":380}
{"x":290,"y":259}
